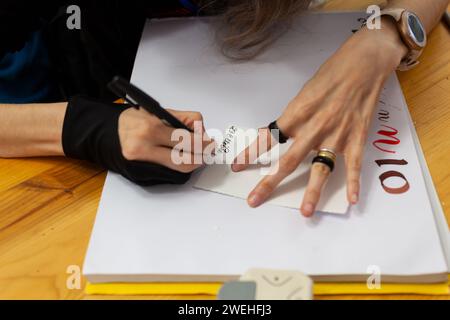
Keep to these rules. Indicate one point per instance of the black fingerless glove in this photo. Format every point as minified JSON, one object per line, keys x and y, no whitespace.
{"x":90,"y":132}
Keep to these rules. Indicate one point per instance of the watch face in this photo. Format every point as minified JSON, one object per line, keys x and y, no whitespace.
{"x":416,"y":30}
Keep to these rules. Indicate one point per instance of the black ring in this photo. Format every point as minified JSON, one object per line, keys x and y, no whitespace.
{"x":326,"y":161}
{"x":281,"y":137}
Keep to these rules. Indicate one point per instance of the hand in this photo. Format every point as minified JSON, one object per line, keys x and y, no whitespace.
{"x":333,"y":110}
{"x":131,"y":142}
{"x":144,"y":137}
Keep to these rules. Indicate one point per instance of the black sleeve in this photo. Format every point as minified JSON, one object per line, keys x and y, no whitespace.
{"x":90,"y":132}
{"x":18,"y":19}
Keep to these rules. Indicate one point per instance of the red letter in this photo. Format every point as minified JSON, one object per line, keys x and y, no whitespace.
{"x":391,"y":174}
{"x":392,"y":162}
{"x":392,"y":141}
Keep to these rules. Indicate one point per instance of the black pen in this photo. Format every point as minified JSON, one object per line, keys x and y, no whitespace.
{"x":138,"y":98}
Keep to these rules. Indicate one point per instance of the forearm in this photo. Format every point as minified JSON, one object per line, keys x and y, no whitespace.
{"x":429,"y":12}
{"x":31,"y":129}
{"x":387,"y":41}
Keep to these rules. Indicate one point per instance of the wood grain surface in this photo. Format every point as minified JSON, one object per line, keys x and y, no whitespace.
{"x":48,"y":205}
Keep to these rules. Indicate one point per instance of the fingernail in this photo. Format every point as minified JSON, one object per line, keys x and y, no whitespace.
{"x":254,"y":200}
{"x":355,"y":198}
{"x":308,"y":209}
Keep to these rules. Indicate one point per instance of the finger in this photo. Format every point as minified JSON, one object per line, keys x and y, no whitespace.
{"x":318,"y":178}
{"x":200,"y":139}
{"x":287,"y":164}
{"x":264,"y":143}
{"x":193,"y":120}
{"x":183,"y":162}
{"x":353,"y":162}
{"x":320,"y":172}
{"x":354,"y":149}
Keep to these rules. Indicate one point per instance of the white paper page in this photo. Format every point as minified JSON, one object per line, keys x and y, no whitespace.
{"x":218,"y":177}
{"x":176,"y":232}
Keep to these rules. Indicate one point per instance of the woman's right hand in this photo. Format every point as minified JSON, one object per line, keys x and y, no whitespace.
{"x":133,"y":142}
{"x":144,"y":137}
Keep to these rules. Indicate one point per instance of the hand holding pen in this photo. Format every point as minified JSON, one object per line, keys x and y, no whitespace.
{"x":140,"y":140}
{"x":147,"y":131}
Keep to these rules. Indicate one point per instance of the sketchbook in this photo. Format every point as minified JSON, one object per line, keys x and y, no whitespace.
{"x":185,"y":234}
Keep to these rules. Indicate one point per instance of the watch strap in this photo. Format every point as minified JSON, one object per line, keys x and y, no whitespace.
{"x":395,"y":13}
{"x":412,"y":58}
{"x":410,"y":61}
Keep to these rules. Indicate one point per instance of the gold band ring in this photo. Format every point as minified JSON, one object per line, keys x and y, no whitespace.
{"x":326,"y":157}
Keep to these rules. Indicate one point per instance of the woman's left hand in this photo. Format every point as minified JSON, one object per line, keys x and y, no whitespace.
{"x":334,"y":111}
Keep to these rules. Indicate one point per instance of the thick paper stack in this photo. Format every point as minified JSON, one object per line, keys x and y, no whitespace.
{"x":182,"y":234}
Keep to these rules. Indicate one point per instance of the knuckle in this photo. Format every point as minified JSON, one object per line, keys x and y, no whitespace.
{"x":186,"y":169}
{"x":194,"y":117}
{"x":266,"y":186}
{"x":323,"y":124}
{"x":322,"y":170}
{"x":131,"y":151}
{"x":288,"y":164}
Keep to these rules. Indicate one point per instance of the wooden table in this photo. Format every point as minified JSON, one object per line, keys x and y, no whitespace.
{"x":48,"y":206}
